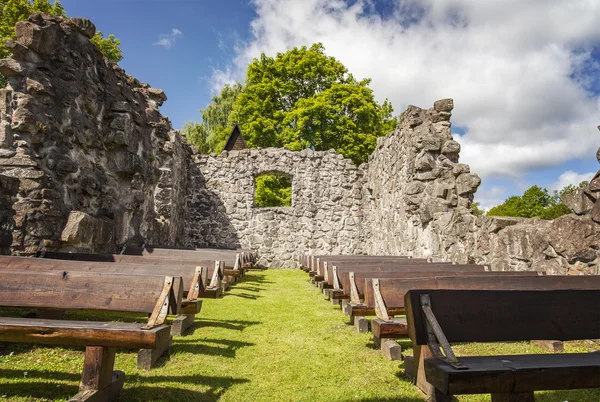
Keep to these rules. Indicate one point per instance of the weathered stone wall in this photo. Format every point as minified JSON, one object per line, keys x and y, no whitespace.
{"x":8,"y":189}
{"x":98,"y":165}
{"x":325,"y":216}
{"x":421,"y":207}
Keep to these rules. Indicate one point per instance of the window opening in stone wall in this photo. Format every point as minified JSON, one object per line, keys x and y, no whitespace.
{"x":273,"y":190}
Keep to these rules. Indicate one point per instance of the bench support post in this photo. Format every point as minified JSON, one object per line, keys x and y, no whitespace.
{"x":380,"y":309}
{"x":181,"y":323}
{"x":147,"y":358}
{"x":435,"y":334}
{"x":514,"y":397}
{"x":98,"y":380}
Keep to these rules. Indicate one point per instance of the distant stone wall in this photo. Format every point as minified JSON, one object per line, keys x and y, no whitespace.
{"x":98,"y":165}
{"x":325,"y":216}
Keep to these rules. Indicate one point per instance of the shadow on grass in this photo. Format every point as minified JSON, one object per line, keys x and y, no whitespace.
{"x":249,"y":289}
{"x":18,"y":348}
{"x":255,"y":279}
{"x":214,"y":347}
{"x":236,"y":325}
{"x":136,"y":388}
{"x":243,"y":296}
{"x":404,"y":399}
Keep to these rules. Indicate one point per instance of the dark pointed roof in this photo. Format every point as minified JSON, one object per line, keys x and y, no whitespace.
{"x":235,"y":142}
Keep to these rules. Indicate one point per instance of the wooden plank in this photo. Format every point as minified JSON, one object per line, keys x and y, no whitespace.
{"x":342,"y":269}
{"x":80,"y":290}
{"x":79,"y":333}
{"x":394,"y":290}
{"x":512,"y":315}
{"x":186,"y":272}
{"x":363,"y":278}
{"x":515,"y":373}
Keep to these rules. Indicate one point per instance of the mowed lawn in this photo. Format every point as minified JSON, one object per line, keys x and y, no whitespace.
{"x":273,"y":337}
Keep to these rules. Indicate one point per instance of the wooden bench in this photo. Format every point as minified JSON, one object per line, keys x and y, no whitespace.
{"x":355,"y":284}
{"x":320,"y":271}
{"x":214,"y":288}
{"x":336,"y":274}
{"x":236,"y":259}
{"x":194,"y":279}
{"x":386,"y":296}
{"x":308,"y":261}
{"x":438,"y":317}
{"x":375,"y":303}
{"x":69,"y":290}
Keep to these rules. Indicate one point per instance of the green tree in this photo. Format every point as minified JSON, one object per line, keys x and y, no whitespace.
{"x":273,"y":190}
{"x":535,"y":202}
{"x":477,"y":211}
{"x":300,"y":99}
{"x":110,"y":46}
{"x":305,"y":99}
{"x":13,"y":11}
{"x":211,"y":133}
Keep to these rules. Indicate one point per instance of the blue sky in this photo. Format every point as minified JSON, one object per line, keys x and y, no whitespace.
{"x":209,"y":31}
{"x":526,"y":85}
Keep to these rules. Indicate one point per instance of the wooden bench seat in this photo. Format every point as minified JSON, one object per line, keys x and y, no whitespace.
{"x":438,"y":317}
{"x":72,"y":290}
{"x":515,"y":373}
{"x":80,"y":333}
{"x":194,"y":279}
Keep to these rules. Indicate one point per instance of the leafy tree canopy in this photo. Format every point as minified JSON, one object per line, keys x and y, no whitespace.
{"x":299,"y":99}
{"x":13,"y":11}
{"x":273,"y":190}
{"x":536,"y":202}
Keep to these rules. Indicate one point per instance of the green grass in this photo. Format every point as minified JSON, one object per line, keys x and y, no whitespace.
{"x":273,"y":337}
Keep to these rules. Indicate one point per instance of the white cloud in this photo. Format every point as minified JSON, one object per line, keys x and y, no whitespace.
{"x":167,"y":40}
{"x":569,"y":177}
{"x":513,"y":67}
{"x":488,"y":199}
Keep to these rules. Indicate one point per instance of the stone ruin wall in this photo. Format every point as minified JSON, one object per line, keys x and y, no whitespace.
{"x":326,"y":211}
{"x":421,"y":207}
{"x":98,"y":165}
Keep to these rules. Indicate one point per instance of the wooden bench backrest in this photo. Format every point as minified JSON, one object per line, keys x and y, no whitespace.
{"x":402,"y":267}
{"x":393,"y":291}
{"x":364,"y":279}
{"x":507,"y":315}
{"x":131,"y":259}
{"x":74,"y":290}
{"x":186,"y":272}
{"x":222,"y":255}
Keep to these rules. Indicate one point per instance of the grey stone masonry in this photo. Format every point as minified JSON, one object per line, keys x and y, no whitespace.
{"x":96,"y":166}
{"x":325,"y":216}
{"x":87,"y":143}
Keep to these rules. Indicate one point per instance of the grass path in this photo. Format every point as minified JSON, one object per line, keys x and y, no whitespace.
{"x":273,"y":337}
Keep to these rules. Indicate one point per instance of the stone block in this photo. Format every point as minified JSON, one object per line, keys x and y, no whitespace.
{"x":84,"y":229}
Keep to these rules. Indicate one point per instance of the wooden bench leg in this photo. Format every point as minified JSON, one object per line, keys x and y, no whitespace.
{"x":147,"y":357}
{"x":181,"y":323}
{"x":98,"y":380}
{"x":420,"y":353}
{"x":362,"y":324}
{"x":513,"y":397}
